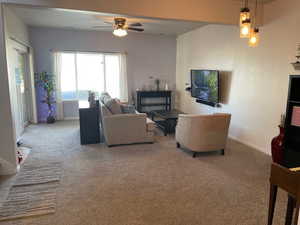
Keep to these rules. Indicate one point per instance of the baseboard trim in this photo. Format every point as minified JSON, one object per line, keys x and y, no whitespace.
{"x":71,"y":118}
{"x":136,"y":143}
{"x":249,"y":145}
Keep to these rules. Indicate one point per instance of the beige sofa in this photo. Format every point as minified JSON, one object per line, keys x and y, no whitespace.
{"x":202,"y":133}
{"x":120,"y":129}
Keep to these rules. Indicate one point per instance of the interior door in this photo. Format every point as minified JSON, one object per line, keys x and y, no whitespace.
{"x":22,"y":90}
{"x":18,"y":93}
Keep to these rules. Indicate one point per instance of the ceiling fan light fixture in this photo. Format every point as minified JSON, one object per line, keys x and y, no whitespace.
{"x":120,"y":32}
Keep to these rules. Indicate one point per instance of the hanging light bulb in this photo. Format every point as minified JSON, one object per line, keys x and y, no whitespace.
{"x":245,"y":22}
{"x":254,"y":37}
{"x":245,"y":29}
{"x":254,"y":34}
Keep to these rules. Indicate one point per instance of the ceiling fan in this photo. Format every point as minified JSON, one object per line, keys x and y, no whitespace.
{"x":120,"y":27}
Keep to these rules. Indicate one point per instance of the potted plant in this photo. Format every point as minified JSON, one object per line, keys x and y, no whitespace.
{"x":47,"y":82}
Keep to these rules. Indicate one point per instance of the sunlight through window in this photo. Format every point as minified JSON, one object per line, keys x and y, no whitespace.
{"x":84,"y":72}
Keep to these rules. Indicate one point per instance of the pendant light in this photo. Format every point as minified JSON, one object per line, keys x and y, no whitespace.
{"x":245,"y":13}
{"x":254,"y":34}
{"x":245,"y":29}
{"x":245,"y":21}
{"x":254,"y":37}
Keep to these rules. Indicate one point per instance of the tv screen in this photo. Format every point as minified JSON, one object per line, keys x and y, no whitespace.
{"x":205,"y":85}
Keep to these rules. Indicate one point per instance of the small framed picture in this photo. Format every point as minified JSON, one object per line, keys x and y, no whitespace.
{"x":296,"y":116}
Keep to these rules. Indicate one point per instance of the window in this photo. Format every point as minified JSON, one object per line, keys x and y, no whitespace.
{"x":68,"y":76}
{"x":112,"y":78}
{"x":84,"y":72}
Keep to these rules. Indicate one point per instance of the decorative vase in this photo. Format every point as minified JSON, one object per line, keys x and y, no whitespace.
{"x":277,"y":146}
{"x":166,"y":87}
{"x":157,"y":82}
{"x":50,"y":117}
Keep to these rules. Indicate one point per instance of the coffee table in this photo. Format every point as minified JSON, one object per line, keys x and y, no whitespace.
{"x":166,"y":120}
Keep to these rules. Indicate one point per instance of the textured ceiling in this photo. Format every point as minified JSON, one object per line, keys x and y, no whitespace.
{"x":70,"y":19}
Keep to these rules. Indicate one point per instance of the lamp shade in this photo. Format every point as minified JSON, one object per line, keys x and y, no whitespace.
{"x":245,"y":29}
{"x":119,"y":32}
{"x":244,"y":15}
{"x":254,"y":37}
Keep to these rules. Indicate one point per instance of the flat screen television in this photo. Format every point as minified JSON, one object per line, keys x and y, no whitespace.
{"x":205,"y":85}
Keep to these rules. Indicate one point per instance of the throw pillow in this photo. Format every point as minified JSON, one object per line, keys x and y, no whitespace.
{"x":106,"y":100}
{"x":104,"y":97}
{"x":128,"y":109}
{"x":114,"y":106}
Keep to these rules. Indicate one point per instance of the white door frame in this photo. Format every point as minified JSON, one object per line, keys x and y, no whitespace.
{"x":14,"y":48}
{"x":29,"y":77}
{"x":12,"y":62}
{"x":30,"y":73}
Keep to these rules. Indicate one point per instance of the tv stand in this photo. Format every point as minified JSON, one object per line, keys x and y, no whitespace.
{"x":207,"y":103}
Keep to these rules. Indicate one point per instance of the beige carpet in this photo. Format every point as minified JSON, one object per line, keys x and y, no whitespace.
{"x":150,"y":184}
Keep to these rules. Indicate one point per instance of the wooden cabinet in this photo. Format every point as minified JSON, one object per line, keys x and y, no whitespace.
{"x":292,"y":132}
{"x":89,"y":125}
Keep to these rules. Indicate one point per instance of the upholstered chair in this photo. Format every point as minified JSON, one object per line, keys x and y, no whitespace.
{"x":203,"y":133}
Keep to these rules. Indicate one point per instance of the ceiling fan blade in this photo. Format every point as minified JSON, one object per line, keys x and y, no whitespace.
{"x":135,"y":25}
{"x":135,"y":29}
{"x":99,"y":27}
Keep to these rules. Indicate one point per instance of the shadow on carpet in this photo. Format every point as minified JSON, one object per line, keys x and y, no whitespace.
{"x":34,"y":191}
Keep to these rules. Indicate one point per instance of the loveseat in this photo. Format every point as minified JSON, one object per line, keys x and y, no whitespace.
{"x":121,"y":124}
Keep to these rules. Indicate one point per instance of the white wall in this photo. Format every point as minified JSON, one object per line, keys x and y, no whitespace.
{"x":10,"y":26}
{"x":254,"y":80}
{"x":148,"y":55}
{"x":15,"y":27}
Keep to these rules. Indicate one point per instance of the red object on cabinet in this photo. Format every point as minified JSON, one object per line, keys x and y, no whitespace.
{"x":277,"y":147}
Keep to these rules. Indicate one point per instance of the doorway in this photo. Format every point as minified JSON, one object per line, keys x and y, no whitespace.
{"x":22,"y":89}
{"x":20,"y":81}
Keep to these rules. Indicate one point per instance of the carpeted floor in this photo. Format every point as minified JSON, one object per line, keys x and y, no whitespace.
{"x":149,"y":184}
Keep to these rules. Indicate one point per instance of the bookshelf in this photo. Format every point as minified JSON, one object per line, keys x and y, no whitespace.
{"x":292,"y":133}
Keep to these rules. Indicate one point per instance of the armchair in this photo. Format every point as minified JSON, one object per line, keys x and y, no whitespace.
{"x":202,"y":133}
